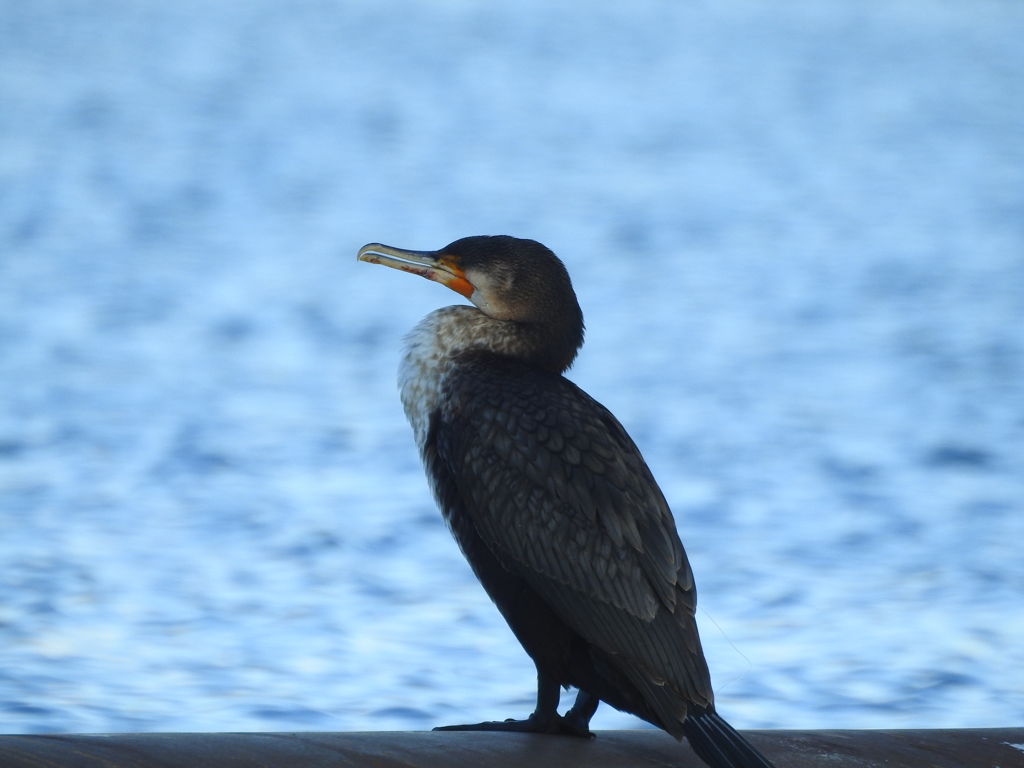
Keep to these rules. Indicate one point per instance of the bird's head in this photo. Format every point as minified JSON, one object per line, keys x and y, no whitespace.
{"x":507,"y":278}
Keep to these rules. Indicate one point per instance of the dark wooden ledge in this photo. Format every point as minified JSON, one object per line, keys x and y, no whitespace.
{"x":965,"y":748}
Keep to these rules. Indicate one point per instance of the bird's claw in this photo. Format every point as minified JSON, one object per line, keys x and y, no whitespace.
{"x":556,"y":726}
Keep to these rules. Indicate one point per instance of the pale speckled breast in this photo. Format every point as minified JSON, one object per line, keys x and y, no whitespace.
{"x":422,"y":372}
{"x":430,"y":350}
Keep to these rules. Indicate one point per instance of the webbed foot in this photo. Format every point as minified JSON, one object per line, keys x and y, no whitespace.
{"x":555,"y":725}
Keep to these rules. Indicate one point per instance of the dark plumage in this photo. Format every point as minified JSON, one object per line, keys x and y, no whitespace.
{"x":551,"y":501}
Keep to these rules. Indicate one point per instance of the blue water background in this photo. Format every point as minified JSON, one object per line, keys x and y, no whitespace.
{"x":796,"y":230}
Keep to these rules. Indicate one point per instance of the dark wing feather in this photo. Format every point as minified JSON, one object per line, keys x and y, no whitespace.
{"x":563,"y":498}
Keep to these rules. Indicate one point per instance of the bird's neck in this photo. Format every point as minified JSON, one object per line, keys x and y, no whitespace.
{"x":433,"y":347}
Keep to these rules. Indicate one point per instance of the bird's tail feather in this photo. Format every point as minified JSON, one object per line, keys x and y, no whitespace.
{"x":719,"y":745}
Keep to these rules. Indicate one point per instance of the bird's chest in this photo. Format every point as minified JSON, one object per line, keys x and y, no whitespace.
{"x":422,"y":392}
{"x":422,"y":378}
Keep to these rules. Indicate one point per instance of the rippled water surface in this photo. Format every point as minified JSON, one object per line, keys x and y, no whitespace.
{"x":796,"y":230}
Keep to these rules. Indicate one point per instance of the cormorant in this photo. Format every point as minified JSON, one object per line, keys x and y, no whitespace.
{"x":550,"y":500}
